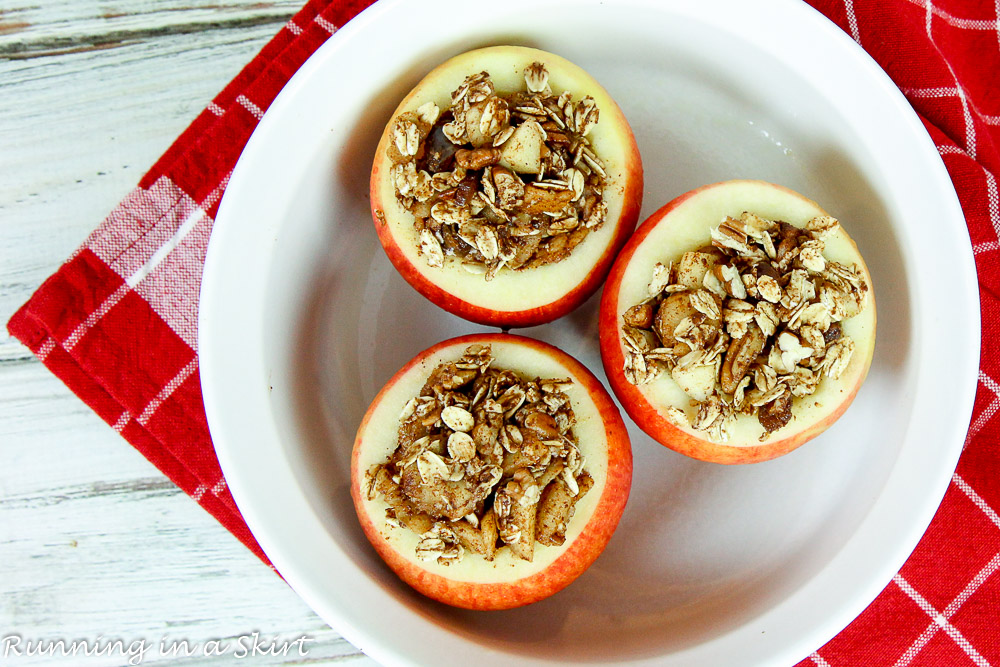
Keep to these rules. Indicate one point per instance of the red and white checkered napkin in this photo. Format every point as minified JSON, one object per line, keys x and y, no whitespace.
{"x":117,"y":322}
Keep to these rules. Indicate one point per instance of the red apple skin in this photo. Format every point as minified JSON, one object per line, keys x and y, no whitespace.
{"x":577,"y":557}
{"x":632,"y":192}
{"x":644,"y":414}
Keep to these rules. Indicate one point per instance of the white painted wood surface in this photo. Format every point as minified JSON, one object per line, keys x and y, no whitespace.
{"x":96,"y":544}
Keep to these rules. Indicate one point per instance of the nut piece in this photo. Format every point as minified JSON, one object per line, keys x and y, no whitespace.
{"x":543,"y":425}
{"x":739,"y":356}
{"x":476,"y":158}
{"x":545,"y":200}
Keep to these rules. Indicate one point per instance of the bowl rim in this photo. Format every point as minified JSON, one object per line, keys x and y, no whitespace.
{"x":227,"y":404}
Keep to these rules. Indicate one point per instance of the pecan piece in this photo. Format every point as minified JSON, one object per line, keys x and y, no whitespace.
{"x":739,"y":356}
{"x":542,"y":424}
{"x":540,"y":200}
{"x":476,"y":158}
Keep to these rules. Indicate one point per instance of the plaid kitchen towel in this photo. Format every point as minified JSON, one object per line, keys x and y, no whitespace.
{"x":117,"y":322}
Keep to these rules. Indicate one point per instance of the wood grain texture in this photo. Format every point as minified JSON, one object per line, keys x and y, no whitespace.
{"x":94,"y":542}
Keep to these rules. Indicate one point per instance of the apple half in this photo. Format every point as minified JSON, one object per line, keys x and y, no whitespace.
{"x":508,"y":577}
{"x":531,"y":293}
{"x":682,"y":243}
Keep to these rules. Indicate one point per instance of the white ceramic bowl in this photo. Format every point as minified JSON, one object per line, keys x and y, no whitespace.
{"x":303,"y":319}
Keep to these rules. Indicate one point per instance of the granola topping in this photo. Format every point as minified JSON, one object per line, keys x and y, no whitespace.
{"x":747,"y":324}
{"x":485,"y":459}
{"x":500,"y":180}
